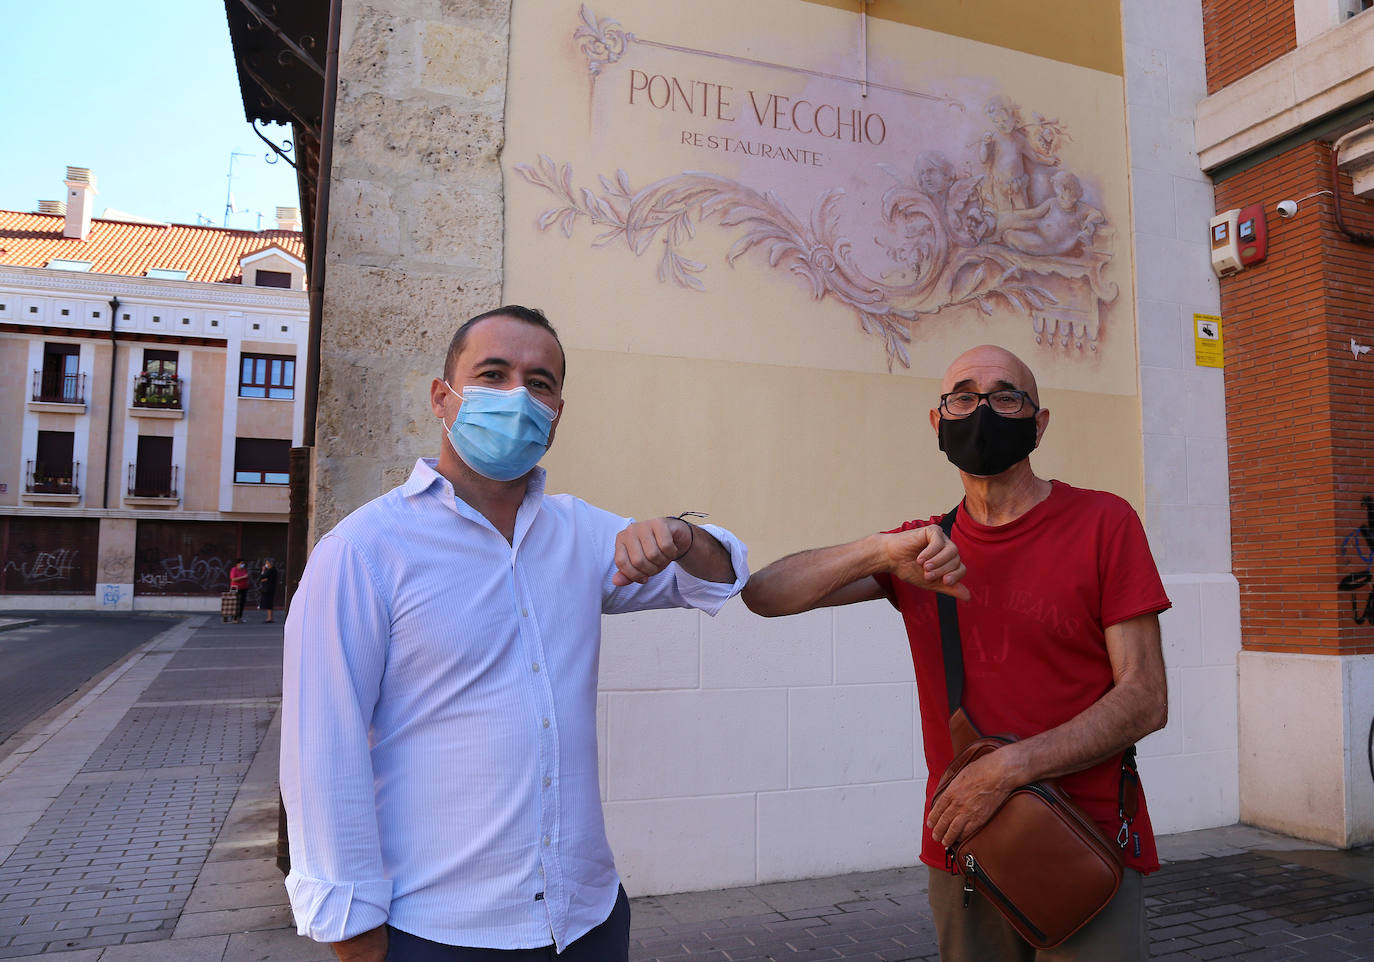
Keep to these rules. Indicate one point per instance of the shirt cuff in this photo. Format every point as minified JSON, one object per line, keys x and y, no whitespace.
{"x":334,"y":911}
{"x":711,"y":596}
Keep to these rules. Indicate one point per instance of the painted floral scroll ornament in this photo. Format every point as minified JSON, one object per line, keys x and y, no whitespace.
{"x":944,"y":247}
{"x":602,"y":41}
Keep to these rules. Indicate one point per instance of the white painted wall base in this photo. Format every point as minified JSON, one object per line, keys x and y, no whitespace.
{"x":48,"y":602}
{"x":99,"y":601}
{"x":176,"y":603}
{"x":1305,"y":728}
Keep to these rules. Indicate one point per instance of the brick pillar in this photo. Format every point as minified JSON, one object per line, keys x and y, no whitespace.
{"x":1300,"y":420}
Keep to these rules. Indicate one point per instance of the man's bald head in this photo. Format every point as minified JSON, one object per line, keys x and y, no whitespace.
{"x":988,"y":367}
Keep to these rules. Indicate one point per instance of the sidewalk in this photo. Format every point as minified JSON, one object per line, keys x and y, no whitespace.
{"x":140,"y":826}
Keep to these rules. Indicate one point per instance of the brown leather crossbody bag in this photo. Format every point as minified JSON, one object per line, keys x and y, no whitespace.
{"x":1040,"y":859}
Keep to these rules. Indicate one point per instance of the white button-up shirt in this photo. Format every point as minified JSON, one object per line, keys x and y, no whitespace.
{"x":439,"y":760}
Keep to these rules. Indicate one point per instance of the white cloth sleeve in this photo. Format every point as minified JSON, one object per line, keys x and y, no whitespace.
{"x":675,"y":588}
{"x":336,"y":644}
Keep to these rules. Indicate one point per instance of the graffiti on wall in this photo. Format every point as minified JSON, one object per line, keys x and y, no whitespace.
{"x":973,"y":206}
{"x":48,"y":555}
{"x":199,"y":574}
{"x":46,"y":567}
{"x":1357,"y":551}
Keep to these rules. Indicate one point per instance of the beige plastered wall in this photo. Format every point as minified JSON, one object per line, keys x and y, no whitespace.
{"x":95,"y":467}
{"x":733,"y":750}
{"x":205,"y":415}
{"x":15,"y":390}
{"x":738,"y":390}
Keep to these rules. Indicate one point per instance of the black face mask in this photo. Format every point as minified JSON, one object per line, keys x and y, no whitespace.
{"x":986,"y":443}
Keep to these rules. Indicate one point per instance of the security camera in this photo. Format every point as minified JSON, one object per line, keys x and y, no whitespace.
{"x":1287,"y":208}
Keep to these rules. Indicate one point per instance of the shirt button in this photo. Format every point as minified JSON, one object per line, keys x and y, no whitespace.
{"x":547,"y":781}
{"x":524,"y":613}
{"x":546,"y":841}
{"x":546,"y":723}
{"x":535,"y":666}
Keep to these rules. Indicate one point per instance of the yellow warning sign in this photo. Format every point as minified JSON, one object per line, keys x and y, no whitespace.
{"x":1207,"y":340}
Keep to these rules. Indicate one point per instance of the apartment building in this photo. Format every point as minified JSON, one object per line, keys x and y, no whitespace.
{"x":148,"y":403}
{"x":1285,"y":134}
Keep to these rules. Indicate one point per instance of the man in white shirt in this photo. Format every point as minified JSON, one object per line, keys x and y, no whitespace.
{"x":439,"y":762}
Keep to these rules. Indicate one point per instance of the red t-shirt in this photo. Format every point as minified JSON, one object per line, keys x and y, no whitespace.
{"x":1045,"y":588}
{"x":238,"y":577}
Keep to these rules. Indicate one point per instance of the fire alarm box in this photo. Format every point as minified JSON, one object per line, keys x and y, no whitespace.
{"x":1252,"y":235}
{"x":1225,"y":243}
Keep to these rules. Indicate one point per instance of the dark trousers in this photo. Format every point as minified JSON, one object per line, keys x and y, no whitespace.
{"x":978,"y":933}
{"x":608,"y":942}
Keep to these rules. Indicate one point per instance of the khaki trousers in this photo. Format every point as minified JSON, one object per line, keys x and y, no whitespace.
{"x":980,"y":934}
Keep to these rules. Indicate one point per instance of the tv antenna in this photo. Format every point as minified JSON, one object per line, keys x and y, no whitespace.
{"x":229,"y":190}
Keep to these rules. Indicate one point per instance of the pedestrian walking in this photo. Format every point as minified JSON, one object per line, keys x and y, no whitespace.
{"x":238,"y":583}
{"x":267,"y":587}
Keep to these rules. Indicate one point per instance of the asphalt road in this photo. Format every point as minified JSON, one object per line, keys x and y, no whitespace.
{"x":44,"y":663}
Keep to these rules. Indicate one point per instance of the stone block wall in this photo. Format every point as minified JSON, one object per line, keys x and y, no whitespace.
{"x":415,"y":230}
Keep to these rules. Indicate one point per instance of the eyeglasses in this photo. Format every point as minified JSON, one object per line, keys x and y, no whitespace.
{"x":960,"y":404}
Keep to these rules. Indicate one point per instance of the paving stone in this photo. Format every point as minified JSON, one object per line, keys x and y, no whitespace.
{"x":214,"y":684}
{"x":276,"y":945}
{"x":206,"y":949}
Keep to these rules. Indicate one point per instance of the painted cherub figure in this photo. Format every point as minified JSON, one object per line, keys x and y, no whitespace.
{"x":957,"y":198}
{"x":1009,"y":156}
{"x":1056,"y":226}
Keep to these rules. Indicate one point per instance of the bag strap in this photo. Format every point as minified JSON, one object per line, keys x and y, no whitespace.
{"x":1128,"y":789}
{"x":949,"y":633}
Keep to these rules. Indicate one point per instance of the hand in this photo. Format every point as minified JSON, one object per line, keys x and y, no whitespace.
{"x":926,"y":558}
{"x":968,"y":801}
{"x":370,"y":946}
{"x":647,"y":547}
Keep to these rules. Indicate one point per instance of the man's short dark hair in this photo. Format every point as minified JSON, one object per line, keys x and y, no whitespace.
{"x":530,"y":315}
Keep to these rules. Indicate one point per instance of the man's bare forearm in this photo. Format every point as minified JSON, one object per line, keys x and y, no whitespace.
{"x":370,"y":946}
{"x":1113,"y":723}
{"x":805,"y":580}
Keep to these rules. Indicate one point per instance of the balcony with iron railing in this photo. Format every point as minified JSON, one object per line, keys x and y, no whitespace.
{"x":46,"y":482}
{"x":157,"y":396}
{"x":156,"y":483}
{"x":58,"y":391}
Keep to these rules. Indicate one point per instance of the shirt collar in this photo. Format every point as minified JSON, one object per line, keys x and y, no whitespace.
{"x":424,"y":477}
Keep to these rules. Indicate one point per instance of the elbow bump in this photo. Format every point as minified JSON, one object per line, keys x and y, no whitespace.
{"x":758,"y":605}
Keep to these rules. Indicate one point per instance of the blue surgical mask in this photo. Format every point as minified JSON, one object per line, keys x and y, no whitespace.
{"x":500,"y":434}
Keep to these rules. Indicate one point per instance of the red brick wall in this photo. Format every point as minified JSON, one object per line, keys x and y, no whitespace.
{"x":1300,"y":413}
{"x":1243,"y":35}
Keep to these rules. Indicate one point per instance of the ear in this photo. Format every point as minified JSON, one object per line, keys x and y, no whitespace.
{"x":935,"y":419}
{"x":438,"y":397}
{"x":1042,"y":421}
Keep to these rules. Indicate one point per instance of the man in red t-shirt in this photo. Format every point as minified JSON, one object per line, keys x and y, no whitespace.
{"x":1060,"y":637}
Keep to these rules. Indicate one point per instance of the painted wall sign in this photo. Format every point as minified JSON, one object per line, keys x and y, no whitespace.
{"x":894,"y":199}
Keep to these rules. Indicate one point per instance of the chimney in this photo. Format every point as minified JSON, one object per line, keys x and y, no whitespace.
{"x":58,"y":207}
{"x":288,"y":218}
{"x":80,"y":202}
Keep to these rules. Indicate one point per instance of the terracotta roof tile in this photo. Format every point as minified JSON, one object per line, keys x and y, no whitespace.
{"x":208,"y":254}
